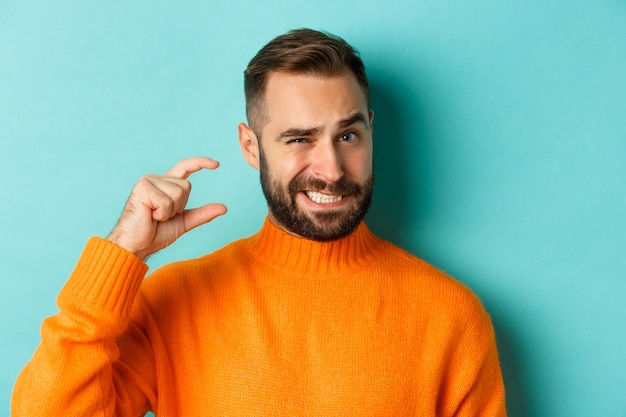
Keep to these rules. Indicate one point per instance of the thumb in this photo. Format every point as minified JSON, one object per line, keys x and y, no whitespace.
{"x":198,"y":216}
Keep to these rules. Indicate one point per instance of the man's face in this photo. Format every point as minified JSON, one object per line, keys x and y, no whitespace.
{"x":315,"y":154}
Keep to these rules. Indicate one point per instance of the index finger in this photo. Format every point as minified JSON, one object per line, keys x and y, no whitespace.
{"x":186,"y":167}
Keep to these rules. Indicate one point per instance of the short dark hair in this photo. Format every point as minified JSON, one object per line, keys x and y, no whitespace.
{"x":301,"y":51}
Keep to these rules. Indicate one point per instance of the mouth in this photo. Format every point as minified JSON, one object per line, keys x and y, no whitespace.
{"x":320,"y":198}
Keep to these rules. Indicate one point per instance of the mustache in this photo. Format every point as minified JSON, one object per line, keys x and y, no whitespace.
{"x":341,"y":187}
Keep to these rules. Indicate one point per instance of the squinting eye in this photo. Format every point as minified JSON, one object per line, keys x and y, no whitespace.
{"x":298,"y":140}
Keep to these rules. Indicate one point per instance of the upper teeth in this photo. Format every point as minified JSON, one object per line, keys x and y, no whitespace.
{"x":323,"y":198}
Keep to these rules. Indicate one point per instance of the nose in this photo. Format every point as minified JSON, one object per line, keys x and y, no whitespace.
{"x":327,"y":162}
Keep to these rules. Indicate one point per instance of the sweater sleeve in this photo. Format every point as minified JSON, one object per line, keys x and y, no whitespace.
{"x":475,"y":388}
{"x":76,"y":369}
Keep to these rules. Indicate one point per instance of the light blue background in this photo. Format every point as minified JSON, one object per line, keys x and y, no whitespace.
{"x":501,"y":151}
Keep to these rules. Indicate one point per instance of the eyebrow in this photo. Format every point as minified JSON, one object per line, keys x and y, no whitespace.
{"x":296,"y":132}
{"x":357,"y":117}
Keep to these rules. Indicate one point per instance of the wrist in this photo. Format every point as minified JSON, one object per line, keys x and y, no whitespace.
{"x":118,"y":239}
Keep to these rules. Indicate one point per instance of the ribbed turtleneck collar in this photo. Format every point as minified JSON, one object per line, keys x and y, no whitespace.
{"x":308,"y":258}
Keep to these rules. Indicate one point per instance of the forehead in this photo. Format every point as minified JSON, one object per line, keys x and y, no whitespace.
{"x":301,"y":100}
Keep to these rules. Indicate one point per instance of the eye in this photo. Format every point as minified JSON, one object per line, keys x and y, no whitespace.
{"x":348,"y":137}
{"x":297,"y":140}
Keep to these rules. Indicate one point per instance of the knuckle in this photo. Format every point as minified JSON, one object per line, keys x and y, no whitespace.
{"x":145,"y":181}
{"x":186,"y":187}
{"x":183,"y":189}
{"x":176,"y":194}
{"x":168,"y":205}
{"x":147,"y":177}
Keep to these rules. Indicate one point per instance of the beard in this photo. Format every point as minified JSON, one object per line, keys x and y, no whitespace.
{"x":321,"y":226}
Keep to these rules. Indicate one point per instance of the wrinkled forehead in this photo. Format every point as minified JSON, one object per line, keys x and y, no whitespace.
{"x":303,"y":97}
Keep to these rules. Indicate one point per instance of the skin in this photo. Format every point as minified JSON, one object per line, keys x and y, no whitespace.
{"x":155,"y":216}
{"x":318,"y":127}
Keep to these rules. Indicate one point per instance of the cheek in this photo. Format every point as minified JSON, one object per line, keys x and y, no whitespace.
{"x":359,"y":163}
{"x":286,"y":167}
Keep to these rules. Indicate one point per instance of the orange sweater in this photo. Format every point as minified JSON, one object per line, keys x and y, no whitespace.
{"x":271,"y":325}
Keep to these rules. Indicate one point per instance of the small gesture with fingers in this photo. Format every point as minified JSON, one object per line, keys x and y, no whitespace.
{"x":155,"y":214}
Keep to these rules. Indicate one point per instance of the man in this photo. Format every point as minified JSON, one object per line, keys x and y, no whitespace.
{"x":312,"y":316}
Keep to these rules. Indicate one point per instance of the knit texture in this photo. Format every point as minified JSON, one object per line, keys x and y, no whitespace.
{"x":271,"y":325}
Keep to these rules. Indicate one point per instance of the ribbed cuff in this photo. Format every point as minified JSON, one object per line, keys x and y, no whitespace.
{"x":104,"y":282}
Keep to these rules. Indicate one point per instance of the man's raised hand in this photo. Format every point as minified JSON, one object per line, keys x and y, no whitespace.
{"x":155,"y":215}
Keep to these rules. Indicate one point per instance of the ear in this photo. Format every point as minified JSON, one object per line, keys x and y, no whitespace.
{"x":249,"y":145}
{"x":371,"y":113}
